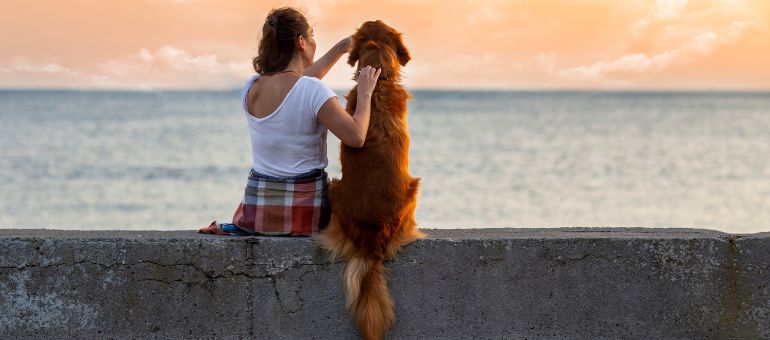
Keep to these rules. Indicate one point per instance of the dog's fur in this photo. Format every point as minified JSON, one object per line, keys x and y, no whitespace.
{"x":373,"y":204}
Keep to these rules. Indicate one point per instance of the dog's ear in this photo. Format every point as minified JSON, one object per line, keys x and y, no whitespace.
{"x":355,"y":51}
{"x":401,"y":51}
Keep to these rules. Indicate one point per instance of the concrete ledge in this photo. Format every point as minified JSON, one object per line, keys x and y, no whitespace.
{"x":612,"y":283}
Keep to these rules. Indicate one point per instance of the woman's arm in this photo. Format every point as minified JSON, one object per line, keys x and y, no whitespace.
{"x":351,"y":130}
{"x":321,"y":66}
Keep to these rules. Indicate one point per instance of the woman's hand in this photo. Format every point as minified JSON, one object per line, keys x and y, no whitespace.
{"x":367,"y":80}
{"x":351,"y":130}
{"x":322,"y":66}
{"x":346,"y":44}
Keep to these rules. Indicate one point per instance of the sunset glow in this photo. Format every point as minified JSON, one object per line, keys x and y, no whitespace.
{"x":515,"y":44}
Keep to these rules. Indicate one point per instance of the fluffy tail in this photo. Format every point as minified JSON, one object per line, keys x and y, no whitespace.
{"x":367,"y":297}
{"x":366,"y":290}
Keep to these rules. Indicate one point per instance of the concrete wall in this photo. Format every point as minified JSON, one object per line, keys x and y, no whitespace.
{"x":611,"y":283}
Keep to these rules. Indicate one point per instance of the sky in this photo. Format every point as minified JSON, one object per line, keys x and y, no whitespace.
{"x":483,"y":44}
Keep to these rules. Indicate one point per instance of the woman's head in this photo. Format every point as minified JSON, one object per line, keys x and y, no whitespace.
{"x":286,"y":33}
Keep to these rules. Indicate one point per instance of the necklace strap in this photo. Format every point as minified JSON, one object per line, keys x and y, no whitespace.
{"x":287,"y":71}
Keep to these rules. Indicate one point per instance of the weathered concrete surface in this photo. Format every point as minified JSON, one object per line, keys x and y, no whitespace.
{"x":571,"y":283}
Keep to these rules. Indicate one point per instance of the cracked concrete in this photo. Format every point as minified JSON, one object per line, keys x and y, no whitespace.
{"x":471,"y":283}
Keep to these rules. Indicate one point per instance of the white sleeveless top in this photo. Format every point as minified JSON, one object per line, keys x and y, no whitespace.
{"x":290,"y":141}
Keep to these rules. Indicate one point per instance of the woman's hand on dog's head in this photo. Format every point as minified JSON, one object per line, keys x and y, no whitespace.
{"x":367,"y":79}
{"x":346,"y":44}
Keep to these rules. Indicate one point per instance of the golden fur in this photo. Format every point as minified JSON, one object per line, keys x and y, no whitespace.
{"x":373,"y":204}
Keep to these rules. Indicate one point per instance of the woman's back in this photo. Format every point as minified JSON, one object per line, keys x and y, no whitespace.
{"x":265,"y":95}
{"x":286,"y":137}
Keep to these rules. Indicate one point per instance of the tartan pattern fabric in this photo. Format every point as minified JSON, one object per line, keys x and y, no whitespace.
{"x":272,"y":206}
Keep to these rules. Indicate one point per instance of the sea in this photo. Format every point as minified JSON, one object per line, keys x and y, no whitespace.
{"x":177,"y":160}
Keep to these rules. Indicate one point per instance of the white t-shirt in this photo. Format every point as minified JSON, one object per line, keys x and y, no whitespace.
{"x":290,"y":141}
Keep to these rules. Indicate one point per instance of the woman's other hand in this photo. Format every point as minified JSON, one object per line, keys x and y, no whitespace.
{"x":351,"y":130}
{"x":367,"y":79}
{"x":322,"y":66}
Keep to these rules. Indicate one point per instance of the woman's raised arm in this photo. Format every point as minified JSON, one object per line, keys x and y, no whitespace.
{"x":322,"y":66}
{"x":351,"y":130}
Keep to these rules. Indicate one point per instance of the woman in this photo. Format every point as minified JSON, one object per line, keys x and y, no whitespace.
{"x":288,"y":110}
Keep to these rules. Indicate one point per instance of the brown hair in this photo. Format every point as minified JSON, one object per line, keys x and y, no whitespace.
{"x":276,"y":47}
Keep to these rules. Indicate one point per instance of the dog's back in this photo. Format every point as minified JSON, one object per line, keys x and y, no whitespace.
{"x":373,"y":204}
{"x":373,"y":198}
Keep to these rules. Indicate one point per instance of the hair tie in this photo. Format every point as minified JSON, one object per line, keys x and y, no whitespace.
{"x":271,"y":20}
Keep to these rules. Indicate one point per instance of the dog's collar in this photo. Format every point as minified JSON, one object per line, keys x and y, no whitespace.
{"x":380,"y":78}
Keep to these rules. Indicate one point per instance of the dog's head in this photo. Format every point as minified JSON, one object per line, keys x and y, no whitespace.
{"x":379,"y":45}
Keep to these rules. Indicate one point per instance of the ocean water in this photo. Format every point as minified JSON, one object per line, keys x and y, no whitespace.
{"x":178,"y":160}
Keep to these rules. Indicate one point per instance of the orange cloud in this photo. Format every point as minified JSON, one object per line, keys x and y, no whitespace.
{"x":476,"y":44}
{"x":169,"y":66}
{"x":702,"y":44}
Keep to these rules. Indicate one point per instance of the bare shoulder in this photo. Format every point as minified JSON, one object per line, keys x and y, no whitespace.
{"x":257,"y":83}
{"x":256,"y":87}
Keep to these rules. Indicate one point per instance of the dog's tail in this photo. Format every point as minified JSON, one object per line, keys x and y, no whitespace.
{"x":367,"y":297}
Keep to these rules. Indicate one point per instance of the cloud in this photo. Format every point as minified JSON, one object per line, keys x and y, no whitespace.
{"x":166,"y":67}
{"x":172,"y":66}
{"x":23,"y":65}
{"x":737,"y":28}
{"x":181,"y":60}
{"x":22,"y":71}
{"x":674,"y":33}
{"x":669,"y":9}
{"x":700,"y":45}
{"x":483,"y":11}
{"x":663,"y":10}
{"x":468,"y":69}
{"x":459,"y":44}
{"x":640,"y":63}
{"x":317,"y":8}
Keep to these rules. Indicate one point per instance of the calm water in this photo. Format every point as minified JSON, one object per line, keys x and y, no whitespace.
{"x":177,"y":160}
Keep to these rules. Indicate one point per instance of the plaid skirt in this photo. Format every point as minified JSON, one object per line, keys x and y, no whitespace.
{"x":298,"y":206}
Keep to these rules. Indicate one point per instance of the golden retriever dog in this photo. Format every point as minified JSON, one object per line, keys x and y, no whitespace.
{"x":373,"y":204}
